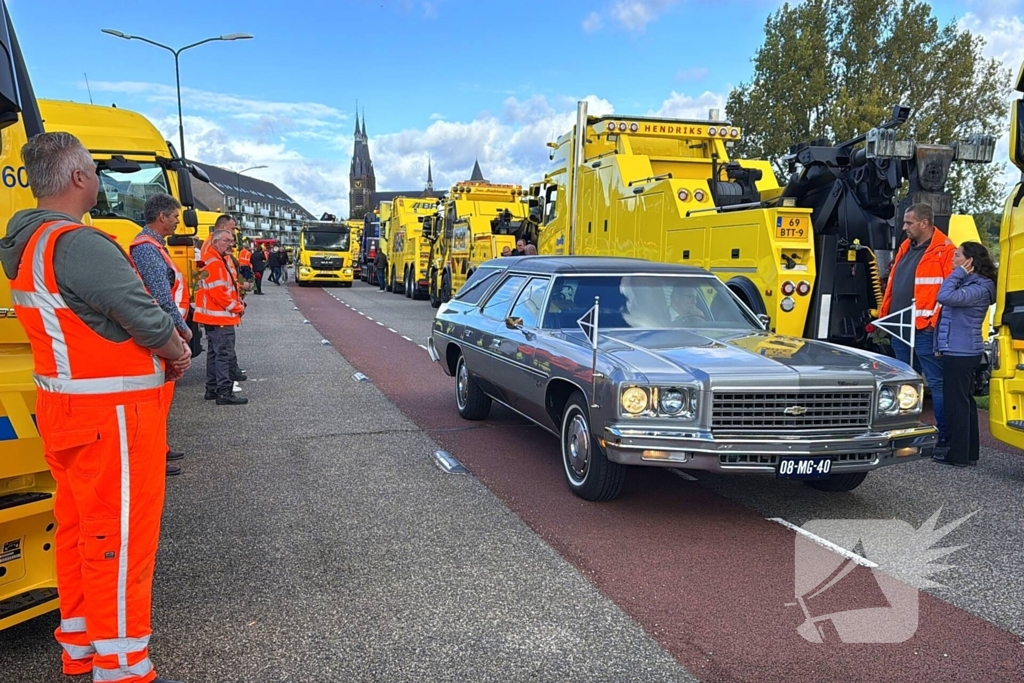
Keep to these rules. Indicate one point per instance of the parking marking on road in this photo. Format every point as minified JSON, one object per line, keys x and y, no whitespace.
{"x":825,"y":543}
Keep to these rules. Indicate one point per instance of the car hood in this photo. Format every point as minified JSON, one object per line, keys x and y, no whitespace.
{"x":744,"y":353}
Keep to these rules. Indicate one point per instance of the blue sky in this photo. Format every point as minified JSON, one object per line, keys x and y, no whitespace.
{"x":452,"y":79}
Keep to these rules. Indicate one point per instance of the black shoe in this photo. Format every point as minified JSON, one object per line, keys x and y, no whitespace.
{"x":173,"y":470}
{"x":941,"y":459}
{"x":174,"y":455}
{"x":232,"y":401}
{"x":972,"y":463}
{"x":163,"y":680}
{"x":241,"y":377}
{"x":209,"y":395}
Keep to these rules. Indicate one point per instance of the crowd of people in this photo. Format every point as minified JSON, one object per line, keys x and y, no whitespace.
{"x":950,"y":289}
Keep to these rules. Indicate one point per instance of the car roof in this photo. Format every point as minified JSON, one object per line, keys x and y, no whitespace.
{"x":588,"y":265}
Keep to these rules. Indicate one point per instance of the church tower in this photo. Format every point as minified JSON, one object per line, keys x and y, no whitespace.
{"x":361,"y":181}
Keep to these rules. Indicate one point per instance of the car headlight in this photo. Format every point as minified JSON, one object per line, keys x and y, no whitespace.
{"x":908,"y":397}
{"x":634,"y":400}
{"x":671,"y":401}
{"x":886,"y":400}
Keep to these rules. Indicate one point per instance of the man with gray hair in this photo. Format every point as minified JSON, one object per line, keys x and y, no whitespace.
{"x":102,"y":352}
{"x":162,"y":278}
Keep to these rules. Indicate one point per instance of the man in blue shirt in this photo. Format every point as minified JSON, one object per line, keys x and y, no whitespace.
{"x":161,"y":212}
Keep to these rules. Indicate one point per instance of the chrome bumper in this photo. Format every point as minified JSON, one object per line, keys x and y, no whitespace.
{"x":699,"y":450}
{"x":432,"y":352}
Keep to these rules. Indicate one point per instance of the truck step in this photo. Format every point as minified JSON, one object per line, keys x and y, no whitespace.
{"x":13,"y":500}
{"x":1016,"y":424}
{"x":26,"y":600}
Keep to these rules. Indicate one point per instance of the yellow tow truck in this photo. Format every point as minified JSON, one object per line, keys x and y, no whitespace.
{"x":28,"y":581}
{"x":475,"y":221}
{"x":1006,"y":390}
{"x":324,"y":254}
{"x":408,"y":249}
{"x":355,"y":231}
{"x":810,"y":256}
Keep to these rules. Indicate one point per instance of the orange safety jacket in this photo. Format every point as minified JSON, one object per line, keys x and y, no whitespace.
{"x":69,"y":356}
{"x":179,"y":292}
{"x":245,"y":258}
{"x":935,"y":266}
{"x":217,"y":301}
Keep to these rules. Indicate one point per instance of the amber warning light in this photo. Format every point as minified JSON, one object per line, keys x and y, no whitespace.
{"x":670,"y":128}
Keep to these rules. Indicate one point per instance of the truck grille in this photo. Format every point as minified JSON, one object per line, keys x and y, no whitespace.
{"x":325,"y":263}
{"x":795,"y":412}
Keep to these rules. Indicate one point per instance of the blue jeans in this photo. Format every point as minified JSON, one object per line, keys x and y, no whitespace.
{"x":380,"y":278}
{"x":929,"y":365}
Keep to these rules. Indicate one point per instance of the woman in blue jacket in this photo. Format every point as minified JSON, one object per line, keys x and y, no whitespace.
{"x":965,"y":297}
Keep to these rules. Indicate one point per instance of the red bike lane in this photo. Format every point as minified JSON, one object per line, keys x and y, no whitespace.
{"x":709,"y":579}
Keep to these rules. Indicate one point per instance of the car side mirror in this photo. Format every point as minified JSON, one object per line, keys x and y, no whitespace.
{"x":514,"y":323}
{"x":764,"y":319}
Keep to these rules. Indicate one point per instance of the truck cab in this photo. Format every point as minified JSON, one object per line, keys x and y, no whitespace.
{"x":324,"y":255}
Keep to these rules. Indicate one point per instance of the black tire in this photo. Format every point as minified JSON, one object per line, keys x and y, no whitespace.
{"x":407,"y":287}
{"x":838,"y":483}
{"x":346,"y":284}
{"x":445,"y":294}
{"x":473,"y":403}
{"x":588,"y":471}
{"x":435,"y":300}
{"x":301,"y":283}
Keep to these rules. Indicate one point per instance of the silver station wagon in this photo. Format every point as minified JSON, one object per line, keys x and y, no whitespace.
{"x":676,"y":372}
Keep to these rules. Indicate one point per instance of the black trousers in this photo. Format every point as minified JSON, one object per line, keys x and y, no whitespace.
{"x":258,"y":281}
{"x":220,"y":359}
{"x":960,"y":408}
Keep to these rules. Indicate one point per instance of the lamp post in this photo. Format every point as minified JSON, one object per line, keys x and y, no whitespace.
{"x":238,"y":186}
{"x":177,"y":71}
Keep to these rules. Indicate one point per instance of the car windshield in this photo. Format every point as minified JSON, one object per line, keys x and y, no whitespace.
{"x":646,"y":302}
{"x":326,"y":240}
{"x":124,"y":195}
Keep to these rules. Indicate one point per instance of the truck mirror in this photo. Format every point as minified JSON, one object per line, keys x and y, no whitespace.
{"x":764,"y":320}
{"x":188,"y":200}
{"x":1017,"y":134}
{"x":190,"y":219}
{"x":16,"y":94}
{"x":200,"y":174}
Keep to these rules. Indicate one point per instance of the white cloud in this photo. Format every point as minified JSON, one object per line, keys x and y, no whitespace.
{"x":592,"y":23}
{"x":437,"y":117}
{"x":634,"y":15}
{"x":680,"y":106}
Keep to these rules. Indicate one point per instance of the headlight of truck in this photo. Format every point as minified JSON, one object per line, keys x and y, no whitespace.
{"x":634,"y":400}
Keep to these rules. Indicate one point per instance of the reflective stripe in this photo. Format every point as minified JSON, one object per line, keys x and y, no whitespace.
{"x":117,"y":646}
{"x":73,"y":625}
{"x":122,"y":559}
{"x":113,"y":675}
{"x":215,"y":314}
{"x":37,"y":299}
{"x":58,"y":344}
{"x":78,"y":651}
{"x":213,"y":283}
{"x":100,"y":385}
{"x":924,"y":312}
{"x":928,"y":281}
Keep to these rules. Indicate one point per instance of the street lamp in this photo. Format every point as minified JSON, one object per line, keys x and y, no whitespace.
{"x":177,"y":71}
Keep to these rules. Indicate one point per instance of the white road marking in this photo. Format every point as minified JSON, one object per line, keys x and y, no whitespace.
{"x":391,"y":329}
{"x":406,"y":338}
{"x":825,"y":543}
{"x":422,"y":347}
{"x":378,"y":322}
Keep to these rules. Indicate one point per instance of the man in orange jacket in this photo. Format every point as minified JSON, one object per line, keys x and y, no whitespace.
{"x":923,"y":261}
{"x":102,"y":351}
{"x":219,"y":309}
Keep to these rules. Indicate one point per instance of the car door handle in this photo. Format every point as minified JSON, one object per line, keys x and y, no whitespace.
{"x":467,"y":334}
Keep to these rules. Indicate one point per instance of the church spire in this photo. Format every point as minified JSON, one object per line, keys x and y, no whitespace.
{"x":364,"y":124}
{"x":357,"y":118}
{"x":430,"y":176}
{"x":477,"y":175}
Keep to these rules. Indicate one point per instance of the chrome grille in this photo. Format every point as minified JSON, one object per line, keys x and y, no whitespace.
{"x":790,"y":412}
{"x":773,"y":460}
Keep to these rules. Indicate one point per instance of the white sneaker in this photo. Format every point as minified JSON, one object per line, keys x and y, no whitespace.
{"x":235,"y":389}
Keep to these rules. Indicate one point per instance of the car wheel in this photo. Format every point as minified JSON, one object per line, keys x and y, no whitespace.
{"x":588,"y":471}
{"x":838,"y":482}
{"x":473,"y":403}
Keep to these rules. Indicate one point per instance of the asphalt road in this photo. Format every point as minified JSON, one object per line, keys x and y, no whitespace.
{"x":970,"y":627}
{"x":312,"y":538}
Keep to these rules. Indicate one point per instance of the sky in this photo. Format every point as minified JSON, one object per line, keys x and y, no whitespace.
{"x":449,"y":80}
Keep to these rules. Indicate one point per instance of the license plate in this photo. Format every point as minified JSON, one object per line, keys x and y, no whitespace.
{"x":804,"y":468}
{"x":792,"y":227}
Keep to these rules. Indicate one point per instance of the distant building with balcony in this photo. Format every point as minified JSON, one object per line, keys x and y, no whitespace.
{"x":262,"y":209}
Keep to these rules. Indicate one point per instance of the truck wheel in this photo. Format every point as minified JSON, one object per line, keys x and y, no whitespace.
{"x":588,"y":471}
{"x":445,"y":295}
{"x":473,"y":403}
{"x":407,"y":289}
{"x":435,"y":301}
{"x":838,"y":483}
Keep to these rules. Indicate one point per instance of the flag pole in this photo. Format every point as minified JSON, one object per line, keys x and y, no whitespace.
{"x":913,"y":330}
{"x":593,"y":365}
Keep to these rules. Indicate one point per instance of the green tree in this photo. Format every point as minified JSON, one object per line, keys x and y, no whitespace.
{"x":834,"y":68}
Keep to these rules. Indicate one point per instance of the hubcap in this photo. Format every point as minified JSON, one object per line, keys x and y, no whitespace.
{"x":462,"y":384}
{"x":577,"y":446}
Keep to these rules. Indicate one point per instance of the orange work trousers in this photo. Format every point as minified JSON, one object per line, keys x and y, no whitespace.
{"x":167,"y":396}
{"x":107,"y":454}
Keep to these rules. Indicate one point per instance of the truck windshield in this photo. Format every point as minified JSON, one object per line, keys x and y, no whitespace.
{"x":123,"y":195}
{"x":326,"y":240}
{"x":647,"y":302}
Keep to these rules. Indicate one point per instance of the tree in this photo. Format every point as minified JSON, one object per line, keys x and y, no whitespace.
{"x":834,"y":68}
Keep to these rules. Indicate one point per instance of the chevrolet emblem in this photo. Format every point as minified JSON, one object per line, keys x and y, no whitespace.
{"x":795,"y":410}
